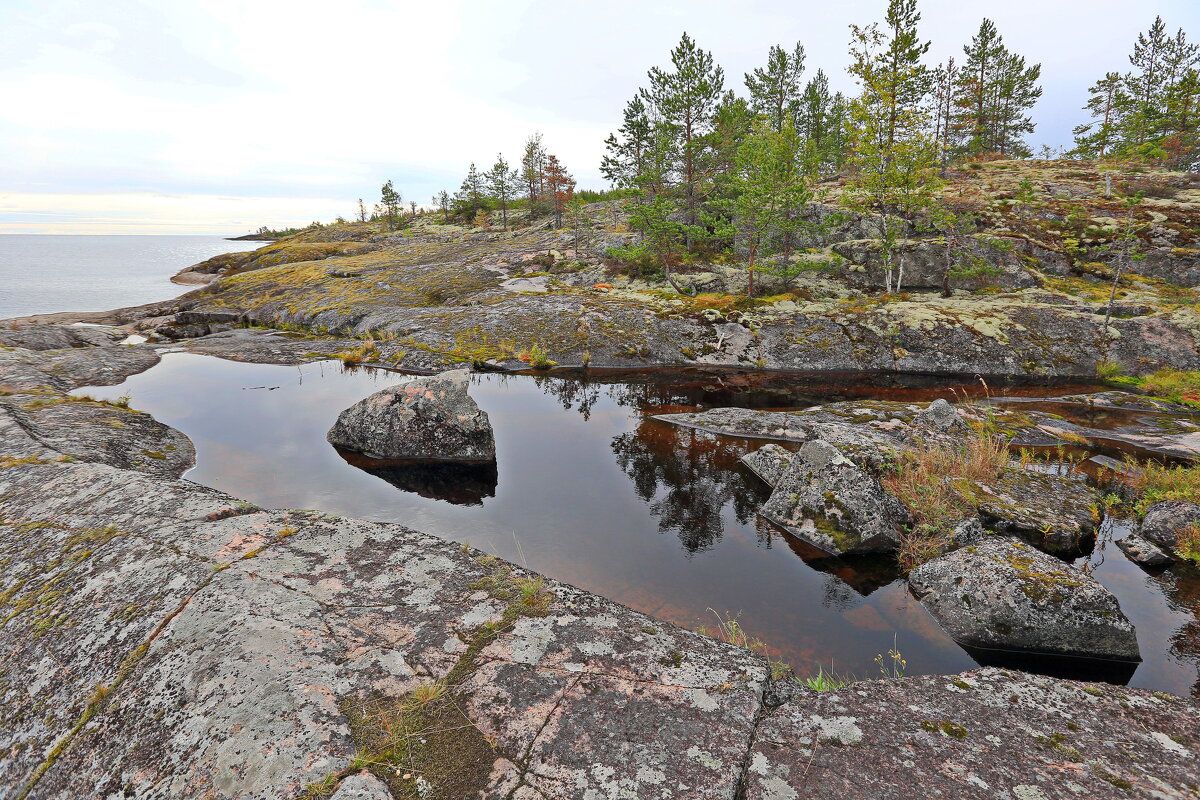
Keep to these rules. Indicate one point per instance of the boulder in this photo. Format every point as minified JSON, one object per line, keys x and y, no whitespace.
{"x":1166,"y":521}
{"x":826,"y":500}
{"x":1053,"y":511}
{"x":1004,"y":594}
{"x":427,"y":419}
{"x":941,"y":418}
{"x":1142,"y":552}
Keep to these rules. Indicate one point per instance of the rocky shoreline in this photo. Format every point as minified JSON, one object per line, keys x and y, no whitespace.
{"x":164,"y":639}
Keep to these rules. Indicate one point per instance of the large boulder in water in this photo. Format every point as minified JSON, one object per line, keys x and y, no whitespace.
{"x":1003,"y":594}
{"x":427,"y":419}
{"x":828,"y":501}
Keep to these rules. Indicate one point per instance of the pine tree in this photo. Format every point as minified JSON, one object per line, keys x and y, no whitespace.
{"x":362,"y":211}
{"x":994,"y":93}
{"x":767,"y":187}
{"x":775,"y":89}
{"x":945,"y":83}
{"x":1145,"y":84}
{"x":472,"y":195}
{"x":560,"y":188}
{"x":442,"y":201}
{"x":685,"y":98}
{"x":625,"y":159}
{"x":818,"y":118}
{"x":887,"y":63}
{"x":392,"y":202}
{"x":892,"y":154}
{"x":502,"y":183}
{"x":533,"y":166}
{"x":1106,"y":99}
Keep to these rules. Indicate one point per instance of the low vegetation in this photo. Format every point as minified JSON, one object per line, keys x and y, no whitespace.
{"x":1155,"y":483}
{"x":935,"y":482}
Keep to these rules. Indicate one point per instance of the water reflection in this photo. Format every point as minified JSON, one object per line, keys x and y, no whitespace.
{"x":588,"y":489}
{"x":460,"y":484}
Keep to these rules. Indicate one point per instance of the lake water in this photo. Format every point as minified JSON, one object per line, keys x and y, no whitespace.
{"x":590,"y":489}
{"x":42,"y":274}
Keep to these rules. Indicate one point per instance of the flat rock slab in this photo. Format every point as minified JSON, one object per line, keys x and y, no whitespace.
{"x":1002,"y":594}
{"x":981,"y":735}
{"x":1055,"y":512}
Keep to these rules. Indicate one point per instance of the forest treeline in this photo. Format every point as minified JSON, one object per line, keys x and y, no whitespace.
{"x":714,"y":168}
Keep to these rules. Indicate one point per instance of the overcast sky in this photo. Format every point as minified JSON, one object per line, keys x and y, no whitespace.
{"x":217,"y":116}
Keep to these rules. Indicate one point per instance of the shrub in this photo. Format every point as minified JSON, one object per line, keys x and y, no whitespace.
{"x":1155,"y":483}
{"x":1188,"y":547}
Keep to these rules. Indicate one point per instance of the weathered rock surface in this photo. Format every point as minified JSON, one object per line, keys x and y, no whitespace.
{"x":825,"y":499}
{"x":1055,"y":512}
{"x":59,"y":337}
{"x":769,"y":463}
{"x":424,"y":419}
{"x":1003,"y":594}
{"x":1165,"y":522}
{"x":982,"y":735}
{"x":926,"y":265}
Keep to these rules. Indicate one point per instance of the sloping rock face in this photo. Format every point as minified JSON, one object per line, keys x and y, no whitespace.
{"x":981,"y":735}
{"x":1003,"y":594}
{"x":825,"y":499}
{"x":769,"y":462}
{"x":59,"y":337}
{"x":426,"y":419}
{"x":1165,"y":522}
{"x":1143,"y":552}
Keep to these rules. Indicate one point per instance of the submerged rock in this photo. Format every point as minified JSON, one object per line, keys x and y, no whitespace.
{"x":1165,"y":522}
{"x":826,"y":500}
{"x":1003,"y":594}
{"x":1142,"y":552}
{"x":425,"y":419}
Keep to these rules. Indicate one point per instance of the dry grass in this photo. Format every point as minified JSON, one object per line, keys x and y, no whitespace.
{"x":1154,"y":483}
{"x":364,"y":353}
{"x":1188,"y":547}
{"x":933,"y":481}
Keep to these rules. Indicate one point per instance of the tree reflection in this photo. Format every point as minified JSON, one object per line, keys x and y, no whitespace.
{"x":687,"y":478}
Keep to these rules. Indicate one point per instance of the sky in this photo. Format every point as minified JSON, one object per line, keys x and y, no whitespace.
{"x":218,"y":116}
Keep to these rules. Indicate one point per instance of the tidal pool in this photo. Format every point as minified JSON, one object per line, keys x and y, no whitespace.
{"x":588,"y":489}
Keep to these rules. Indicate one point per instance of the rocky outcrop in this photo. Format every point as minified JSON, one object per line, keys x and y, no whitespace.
{"x":286,"y":252}
{"x":425,"y":419}
{"x":59,"y":337}
{"x":1165,"y":522}
{"x":826,"y":500}
{"x":1003,"y":594}
{"x":927,"y":264}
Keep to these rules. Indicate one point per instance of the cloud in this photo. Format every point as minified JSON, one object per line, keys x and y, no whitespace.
{"x":295,"y":103}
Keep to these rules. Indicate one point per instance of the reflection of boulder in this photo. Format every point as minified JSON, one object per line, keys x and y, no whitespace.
{"x":426,"y":418}
{"x":464,"y":484}
{"x":1004,"y":595}
{"x":1069,"y":667}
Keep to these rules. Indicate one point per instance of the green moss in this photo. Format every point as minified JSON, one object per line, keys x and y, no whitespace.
{"x":951,"y":729}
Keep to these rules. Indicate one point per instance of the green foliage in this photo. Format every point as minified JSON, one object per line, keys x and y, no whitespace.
{"x":826,"y":681}
{"x":1172,"y":384}
{"x":1154,"y":483}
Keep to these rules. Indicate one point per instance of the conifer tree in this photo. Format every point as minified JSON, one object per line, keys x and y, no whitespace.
{"x":560,"y":188}
{"x":472,"y":195}
{"x":392,"y":202}
{"x":888,"y":64}
{"x":533,"y":166}
{"x":442,"y":201}
{"x":945,"y":83}
{"x":819,"y":121}
{"x":775,"y":89}
{"x":626,"y":153}
{"x":1106,"y":101}
{"x":502,"y":183}
{"x":767,"y":187}
{"x":995,"y":91}
{"x":685,"y":98}
{"x":362,"y":211}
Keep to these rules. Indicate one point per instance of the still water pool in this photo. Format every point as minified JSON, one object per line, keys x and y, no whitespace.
{"x":590,"y":490}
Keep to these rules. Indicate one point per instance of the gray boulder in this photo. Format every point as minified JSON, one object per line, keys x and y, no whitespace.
{"x":826,"y":500}
{"x":1166,"y":521}
{"x":427,"y":419}
{"x":942,"y":418}
{"x":1053,"y":511}
{"x":1142,"y":552}
{"x":925,"y":264}
{"x":769,"y":463}
{"x":1003,"y":594}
